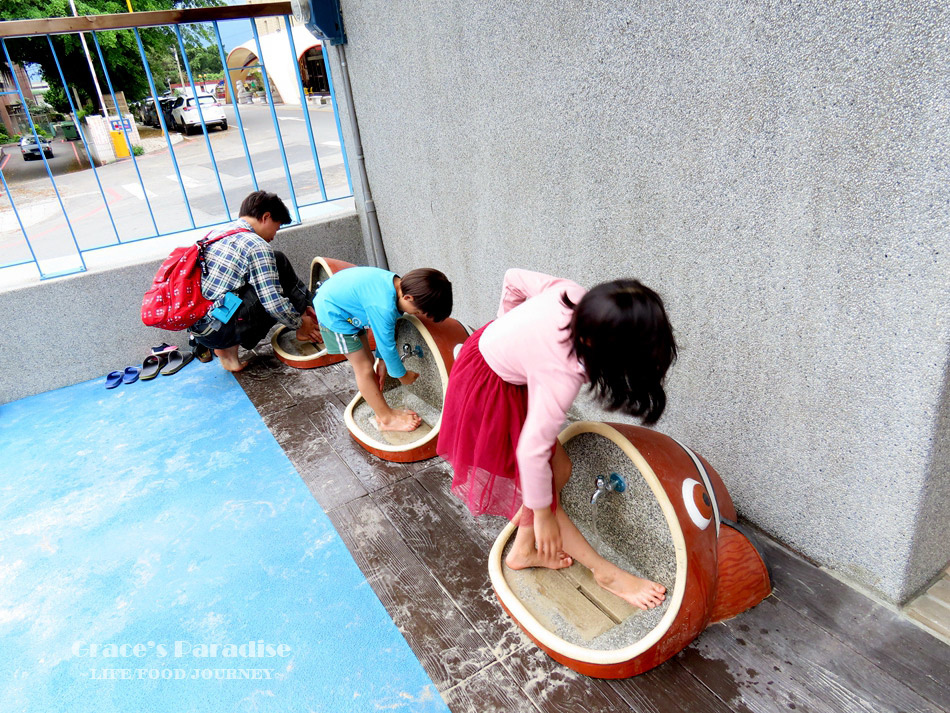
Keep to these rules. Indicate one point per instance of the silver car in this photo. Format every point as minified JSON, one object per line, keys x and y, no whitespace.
{"x":30,"y":150}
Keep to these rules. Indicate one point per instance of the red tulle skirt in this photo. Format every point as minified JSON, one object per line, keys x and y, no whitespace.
{"x":482,"y":419}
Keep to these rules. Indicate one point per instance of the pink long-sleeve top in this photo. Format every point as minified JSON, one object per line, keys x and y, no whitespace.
{"x":527,"y":345}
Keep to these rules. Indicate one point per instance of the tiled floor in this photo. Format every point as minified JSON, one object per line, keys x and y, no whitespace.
{"x":815,"y":645}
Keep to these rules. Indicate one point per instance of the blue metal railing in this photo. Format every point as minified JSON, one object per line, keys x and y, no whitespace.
{"x":42,"y":153}
{"x":303,"y":102}
{"x":125,"y":131}
{"x":237,"y":114}
{"x":201,"y":118}
{"x":47,"y":245}
{"x":273,"y":113}
{"x":82,"y":136}
{"x":160,"y":115}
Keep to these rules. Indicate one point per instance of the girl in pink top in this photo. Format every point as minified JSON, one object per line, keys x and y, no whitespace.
{"x":509,"y":393}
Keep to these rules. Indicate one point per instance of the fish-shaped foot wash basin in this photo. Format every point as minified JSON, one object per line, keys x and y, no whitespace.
{"x":306,"y":355}
{"x":658,"y":510}
{"x":427,"y":348}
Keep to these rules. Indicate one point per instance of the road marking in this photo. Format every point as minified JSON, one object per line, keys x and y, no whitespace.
{"x":76,"y":153}
{"x":136,"y":190}
{"x":334,"y":144}
{"x":289,"y":118}
{"x":186,"y":181}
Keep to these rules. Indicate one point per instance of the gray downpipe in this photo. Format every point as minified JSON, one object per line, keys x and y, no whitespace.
{"x":376,"y":251}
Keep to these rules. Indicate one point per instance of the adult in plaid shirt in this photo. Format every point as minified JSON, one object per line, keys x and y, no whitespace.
{"x":270,"y":291}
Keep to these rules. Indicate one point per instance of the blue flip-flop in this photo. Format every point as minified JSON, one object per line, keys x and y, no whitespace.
{"x":113,"y":379}
{"x":131,"y":374}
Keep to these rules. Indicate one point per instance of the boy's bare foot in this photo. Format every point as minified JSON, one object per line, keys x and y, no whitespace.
{"x":229,"y":359}
{"x":401,"y":420}
{"x":640,"y":592}
{"x":522,"y":560}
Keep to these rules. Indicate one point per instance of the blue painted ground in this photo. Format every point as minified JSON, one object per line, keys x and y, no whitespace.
{"x":163,"y":515}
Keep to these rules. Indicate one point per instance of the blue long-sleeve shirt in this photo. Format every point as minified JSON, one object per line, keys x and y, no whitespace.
{"x":361,"y":297}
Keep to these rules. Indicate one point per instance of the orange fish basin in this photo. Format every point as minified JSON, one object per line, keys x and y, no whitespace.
{"x":306,"y":355}
{"x":673,"y":523}
{"x":427,"y":348}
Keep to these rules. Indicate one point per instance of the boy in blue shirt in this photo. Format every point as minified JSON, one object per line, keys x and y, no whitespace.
{"x":357,"y":298}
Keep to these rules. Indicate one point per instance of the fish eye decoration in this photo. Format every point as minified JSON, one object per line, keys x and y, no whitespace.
{"x":697,"y":503}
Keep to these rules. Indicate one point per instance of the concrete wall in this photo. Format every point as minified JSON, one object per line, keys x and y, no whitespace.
{"x":68,"y":330}
{"x":776,"y":170}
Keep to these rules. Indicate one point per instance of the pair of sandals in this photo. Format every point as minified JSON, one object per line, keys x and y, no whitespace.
{"x":129,"y":375}
{"x":166,"y":363}
{"x":164,"y":359}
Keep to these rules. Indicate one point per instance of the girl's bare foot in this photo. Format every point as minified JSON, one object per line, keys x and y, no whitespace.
{"x":521,"y":560}
{"x":640,"y":592}
{"x":229,"y":359}
{"x":401,"y":420}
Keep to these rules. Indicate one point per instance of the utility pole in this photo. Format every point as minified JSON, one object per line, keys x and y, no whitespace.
{"x":95,"y":79}
{"x":180,"y":77}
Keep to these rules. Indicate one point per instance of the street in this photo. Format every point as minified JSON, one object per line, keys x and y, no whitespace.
{"x":68,"y":156}
{"x":121,"y":211}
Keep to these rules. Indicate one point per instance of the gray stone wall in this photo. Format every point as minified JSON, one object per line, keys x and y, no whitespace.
{"x":64,"y":331}
{"x":776,"y":170}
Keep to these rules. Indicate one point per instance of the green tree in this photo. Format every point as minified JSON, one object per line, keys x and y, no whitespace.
{"x":205,"y":60}
{"x":56,"y":98}
{"x":163,"y":67}
{"x":119,"y":47}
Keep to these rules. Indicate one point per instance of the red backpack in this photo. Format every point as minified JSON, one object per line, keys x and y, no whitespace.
{"x":174,"y":301}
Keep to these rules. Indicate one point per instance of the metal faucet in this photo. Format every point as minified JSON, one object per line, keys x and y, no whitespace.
{"x":604,"y":485}
{"x":408,"y":351}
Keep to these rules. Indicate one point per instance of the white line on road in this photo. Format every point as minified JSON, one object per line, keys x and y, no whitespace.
{"x":136,"y":190}
{"x":187,"y":181}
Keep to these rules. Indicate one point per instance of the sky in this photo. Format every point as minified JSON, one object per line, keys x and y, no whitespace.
{"x":235,"y":32}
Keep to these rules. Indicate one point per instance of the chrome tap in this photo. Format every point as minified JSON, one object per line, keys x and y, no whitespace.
{"x":604,"y":485}
{"x":408,"y":351}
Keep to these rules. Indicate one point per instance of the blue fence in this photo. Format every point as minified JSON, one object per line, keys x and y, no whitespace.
{"x":148,"y":187}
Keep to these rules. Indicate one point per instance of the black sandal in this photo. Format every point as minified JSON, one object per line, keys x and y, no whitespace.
{"x":201,"y":352}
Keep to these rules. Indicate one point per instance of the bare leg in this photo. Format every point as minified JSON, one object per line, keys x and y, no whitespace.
{"x":387,"y":418}
{"x":229,"y":358}
{"x":640,"y":592}
{"x":523,"y":553}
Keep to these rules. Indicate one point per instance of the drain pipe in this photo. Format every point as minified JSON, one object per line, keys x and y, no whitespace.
{"x":378,"y":253}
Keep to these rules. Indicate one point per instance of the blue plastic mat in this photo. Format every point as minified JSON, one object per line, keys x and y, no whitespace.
{"x":158,"y":552}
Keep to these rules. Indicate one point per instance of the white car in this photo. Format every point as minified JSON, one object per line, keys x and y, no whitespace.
{"x":186,"y":117}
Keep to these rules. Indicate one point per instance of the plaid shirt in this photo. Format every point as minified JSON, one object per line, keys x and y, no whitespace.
{"x":241,"y":259}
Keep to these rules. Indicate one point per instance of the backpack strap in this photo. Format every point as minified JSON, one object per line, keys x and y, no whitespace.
{"x":206,"y":241}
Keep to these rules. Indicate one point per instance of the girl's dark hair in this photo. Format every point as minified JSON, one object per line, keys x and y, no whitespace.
{"x":431,"y":292}
{"x":260,"y":202}
{"x":620,"y":333}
